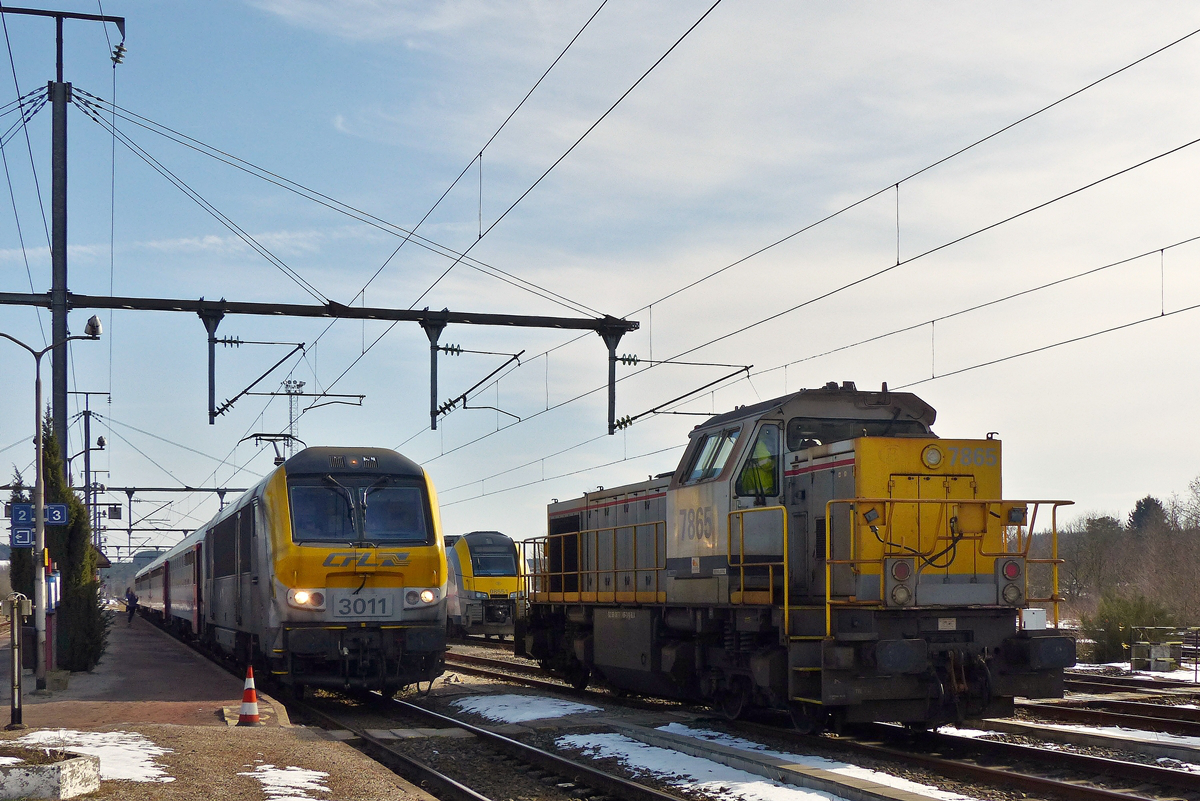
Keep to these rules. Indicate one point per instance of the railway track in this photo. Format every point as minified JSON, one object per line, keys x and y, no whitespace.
{"x":1007,"y":766}
{"x":527,"y":675}
{"x":498,"y":645}
{"x":415,"y":771}
{"x":569,"y":777}
{"x":1088,"y":682}
{"x":956,"y":757}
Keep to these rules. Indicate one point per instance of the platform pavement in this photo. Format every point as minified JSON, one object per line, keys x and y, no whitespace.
{"x":148,"y":682}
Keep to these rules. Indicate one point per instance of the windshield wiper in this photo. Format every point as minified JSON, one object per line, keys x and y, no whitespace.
{"x":349,"y":506}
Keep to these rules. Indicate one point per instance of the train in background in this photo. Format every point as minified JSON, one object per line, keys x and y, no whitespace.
{"x":823,"y":553}
{"x":330,"y":572}
{"x":484,"y":593}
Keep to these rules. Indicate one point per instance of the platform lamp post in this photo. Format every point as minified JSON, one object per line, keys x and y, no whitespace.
{"x":92,"y":331}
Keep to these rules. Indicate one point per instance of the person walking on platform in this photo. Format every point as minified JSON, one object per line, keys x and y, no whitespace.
{"x":131,"y":602}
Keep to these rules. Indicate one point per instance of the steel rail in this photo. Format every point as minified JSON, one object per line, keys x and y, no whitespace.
{"x":498,"y":664}
{"x":581,"y":774}
{"x":1084,"y":763}
{"x":1162,"y":711}
{"x":1100,"y":717}
{"x":496,"y":645}
{"x":1131,"y":681}
{"x":413,"y":770}
{"x":996,"y":777}
{"x":551,"y":686}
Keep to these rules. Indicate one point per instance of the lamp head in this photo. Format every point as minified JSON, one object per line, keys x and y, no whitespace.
{"x":100,"y":443}
{"x":93,"y":328}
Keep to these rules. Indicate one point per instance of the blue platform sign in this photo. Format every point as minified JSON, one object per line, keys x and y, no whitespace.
{"x":21,"y":538}
{"x":22,"y":514}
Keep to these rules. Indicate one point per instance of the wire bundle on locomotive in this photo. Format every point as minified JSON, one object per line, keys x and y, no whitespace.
{"x":331,"y":572}
{"x":824,"y":553}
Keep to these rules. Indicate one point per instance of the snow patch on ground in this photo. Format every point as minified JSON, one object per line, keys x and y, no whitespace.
{"x":688,"y":772}
{"x":290,"y":783}
{"x":520,"y":708}
{"x":10,"y":760}
{"x":838,"y":767}
{"x":123,"y":755}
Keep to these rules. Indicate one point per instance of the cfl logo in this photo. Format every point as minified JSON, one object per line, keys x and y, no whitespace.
{"x":366,"y":559}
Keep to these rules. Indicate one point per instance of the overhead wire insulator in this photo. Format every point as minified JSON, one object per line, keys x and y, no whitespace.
{"x":451,"y":350}
{"x":623,"y":422}
{"x":118,"y":53}
{"x":629,"y":358}
{"x":447,"y":406}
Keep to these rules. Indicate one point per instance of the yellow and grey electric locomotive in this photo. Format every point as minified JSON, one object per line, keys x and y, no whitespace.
{"x":331,"y":572}
{"x":484,"y":590}
{"x":823,"y":552}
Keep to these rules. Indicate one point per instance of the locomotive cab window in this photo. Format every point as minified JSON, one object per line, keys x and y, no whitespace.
{"x":711,"y":453}
{"x":394,"y":514}
{"x":377,"y":509}
{"x":494,"y":561}
{"x":321,"y":513}
{"x":760,"y":473}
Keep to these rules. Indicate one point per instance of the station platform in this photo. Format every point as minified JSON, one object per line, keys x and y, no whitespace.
{"x":162,"y":720}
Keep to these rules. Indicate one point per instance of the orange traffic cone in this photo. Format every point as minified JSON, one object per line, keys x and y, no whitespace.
{"x":248,"y":716}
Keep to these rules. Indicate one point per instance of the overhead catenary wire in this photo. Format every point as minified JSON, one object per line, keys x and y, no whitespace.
{"x":484,"y":494}
{"x":893,"y":185}
{"x":330,"y":202}
{"x":576,"y":144}
{"x":212,"y":210}
{"x":1151,"y":318}
{"x":28,"y":142}
{"x":532,"y":186}
{"x":834,"y":291}
{"x":986,"y":304}
{"x":20,"y":234}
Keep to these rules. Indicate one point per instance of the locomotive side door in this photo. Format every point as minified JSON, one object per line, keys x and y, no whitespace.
{"x":756,"y":538}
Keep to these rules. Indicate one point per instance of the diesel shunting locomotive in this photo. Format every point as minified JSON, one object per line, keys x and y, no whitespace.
{"x":822,"y":553}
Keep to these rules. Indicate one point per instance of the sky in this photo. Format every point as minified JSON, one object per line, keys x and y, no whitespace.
{"x":764,"y":120}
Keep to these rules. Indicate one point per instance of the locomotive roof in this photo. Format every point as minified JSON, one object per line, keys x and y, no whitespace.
{"x":337,"y":461}
{"x":835,"y":402}
{"x":485,"y":537}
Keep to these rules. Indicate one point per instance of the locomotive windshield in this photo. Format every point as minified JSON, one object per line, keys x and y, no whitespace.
{"x":394,"y":514}
{"x":375,"y":509}
{"x":494,"y":561}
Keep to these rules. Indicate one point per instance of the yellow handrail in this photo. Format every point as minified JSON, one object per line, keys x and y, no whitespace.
{"x":741,"y":563}
{"x":538,"y":579}
{"x":944,"y":533}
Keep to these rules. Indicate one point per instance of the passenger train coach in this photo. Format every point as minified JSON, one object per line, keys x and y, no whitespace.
{"x":824,"y":553}
{"x":331,"y":572}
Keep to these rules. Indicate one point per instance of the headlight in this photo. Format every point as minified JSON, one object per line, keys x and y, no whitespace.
{"x":516,"y":594}
{"x":901,"y":595}
{"x":1011,"y":594}
{"x":481,"y":596}
{"x":306,"y":599}
{"x":419,"y":597}
{"x":932,"y":457}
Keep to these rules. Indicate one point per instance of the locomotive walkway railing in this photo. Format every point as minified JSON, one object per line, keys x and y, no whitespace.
{"x":566,"y":568}
{"x":929,"y":529}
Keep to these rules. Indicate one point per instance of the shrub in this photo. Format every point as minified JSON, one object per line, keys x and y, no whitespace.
{"x":1115,"y":618}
